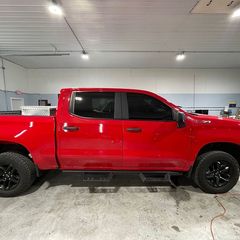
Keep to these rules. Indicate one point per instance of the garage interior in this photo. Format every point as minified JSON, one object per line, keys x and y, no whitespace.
{"x":186,"y":51}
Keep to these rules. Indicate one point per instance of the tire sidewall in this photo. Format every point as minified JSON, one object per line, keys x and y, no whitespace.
{"x":207,"y":160}
{"x":25,"y":176}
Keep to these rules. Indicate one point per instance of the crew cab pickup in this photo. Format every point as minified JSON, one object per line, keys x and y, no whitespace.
{"x":109,"y":130}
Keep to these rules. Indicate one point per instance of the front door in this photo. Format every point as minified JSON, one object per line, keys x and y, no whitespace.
{"x":151,"y":138}
{"x":90,"y":138}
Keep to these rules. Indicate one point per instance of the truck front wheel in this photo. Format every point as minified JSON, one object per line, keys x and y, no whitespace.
{"x":216,"y":172}
{"x":17,"y":173}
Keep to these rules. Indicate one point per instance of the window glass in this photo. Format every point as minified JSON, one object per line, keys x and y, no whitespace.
{"x":94,"y":104}
{"x":144,"y":107}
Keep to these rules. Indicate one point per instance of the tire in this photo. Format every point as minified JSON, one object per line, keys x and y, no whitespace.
{"x":216,"y":172}
{"x":17,"y":173}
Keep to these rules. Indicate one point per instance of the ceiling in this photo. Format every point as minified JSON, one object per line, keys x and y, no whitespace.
{"x":118,"y":33}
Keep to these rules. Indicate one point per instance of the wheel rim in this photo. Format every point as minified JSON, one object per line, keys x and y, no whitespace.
{"x":219,"y":174}
{"x":9,"y":177}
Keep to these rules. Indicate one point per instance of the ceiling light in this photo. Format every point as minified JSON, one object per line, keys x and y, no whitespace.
{"x":180,"y":56}
{"x":55,"y":8}
{"x":236,"y":13}
{"x":78,"y":98}
{"x":85,"y":55}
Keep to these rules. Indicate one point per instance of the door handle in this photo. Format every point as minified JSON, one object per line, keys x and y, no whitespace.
{"x":70,"y":128}
{"x":134,"y":130}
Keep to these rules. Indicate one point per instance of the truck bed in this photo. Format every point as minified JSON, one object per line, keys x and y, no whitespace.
{"x":35,"y":133}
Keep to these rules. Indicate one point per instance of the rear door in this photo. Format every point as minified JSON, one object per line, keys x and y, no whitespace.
{"x":151,"y":138}
{"x":90,"y":137}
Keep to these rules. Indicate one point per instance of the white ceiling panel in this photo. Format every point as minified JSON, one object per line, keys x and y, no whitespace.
{"x":113,"y":25}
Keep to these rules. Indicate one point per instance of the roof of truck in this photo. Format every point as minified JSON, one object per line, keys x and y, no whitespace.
{"x":108,"y":90}
{"x":105,"y":89}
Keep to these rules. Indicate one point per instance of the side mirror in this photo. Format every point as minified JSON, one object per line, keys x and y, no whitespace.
{"x":181,"y":120}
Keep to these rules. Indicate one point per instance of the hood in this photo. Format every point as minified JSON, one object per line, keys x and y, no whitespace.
{"x":202,"y":118}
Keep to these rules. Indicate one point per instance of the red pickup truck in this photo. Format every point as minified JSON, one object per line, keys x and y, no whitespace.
{"x":107,"y":130}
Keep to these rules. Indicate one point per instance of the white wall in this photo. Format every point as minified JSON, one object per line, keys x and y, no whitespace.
{"x":1,"y":76}
{"x":190,"y":88}
{"x":166,"y":81}
{"x":218,"y":81}
{"x":16,"y":77}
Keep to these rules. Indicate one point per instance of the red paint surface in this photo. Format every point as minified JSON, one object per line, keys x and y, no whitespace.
{"x":107,"y":145}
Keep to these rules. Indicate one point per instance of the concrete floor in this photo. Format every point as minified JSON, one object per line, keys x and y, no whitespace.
{"x":60,"y":207}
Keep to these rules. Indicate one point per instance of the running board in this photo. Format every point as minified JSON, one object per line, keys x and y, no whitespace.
{"x":97,"y":177}
{"x":159,"y":177}
{"x":106,"y":176}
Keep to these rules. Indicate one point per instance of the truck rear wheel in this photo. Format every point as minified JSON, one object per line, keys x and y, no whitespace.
{"x":17,"y":173}
{"x":216,"y":172}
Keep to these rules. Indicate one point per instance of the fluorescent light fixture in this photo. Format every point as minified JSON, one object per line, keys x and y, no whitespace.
{"x":180,"y":56}
{"x":85,"y":55}
{"x":55,"y":8}
{"x":236,"y":13}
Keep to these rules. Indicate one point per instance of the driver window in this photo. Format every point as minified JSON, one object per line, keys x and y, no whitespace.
{"x":144,"y":107}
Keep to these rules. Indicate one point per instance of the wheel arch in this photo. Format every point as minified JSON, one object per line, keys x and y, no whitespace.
{"x":228,"y":147}
{"x":17,"y":148}
{"x":14,"y":147}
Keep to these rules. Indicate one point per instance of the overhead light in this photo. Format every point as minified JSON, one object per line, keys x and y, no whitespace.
{"x":78,"y":98}
{"x":85,"y":55}
{"x":236,"y":13}
{"x":180,"y":56}
{"x":55,"y":8}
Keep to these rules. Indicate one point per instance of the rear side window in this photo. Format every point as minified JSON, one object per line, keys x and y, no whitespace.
{"x":93,"y":104}
{"x":144,"y":107}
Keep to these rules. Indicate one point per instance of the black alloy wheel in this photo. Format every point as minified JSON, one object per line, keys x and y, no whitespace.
{"x":219,"y":173}
{"x":17,"y":173}
{"x":9,"y":177}
{"x":216,"y":172}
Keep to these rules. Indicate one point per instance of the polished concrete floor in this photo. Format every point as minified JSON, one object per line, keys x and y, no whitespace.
{"x":61,"y":207}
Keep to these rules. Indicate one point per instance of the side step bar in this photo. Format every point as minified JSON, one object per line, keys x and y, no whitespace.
{"x":106,"y":176}
{"x":159,"y":177}
{"x":97,"y":177}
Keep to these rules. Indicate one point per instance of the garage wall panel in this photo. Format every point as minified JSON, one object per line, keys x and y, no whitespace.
{"x":2,"y":98}
{"x":217,"y":81}
{"x":10,"y":94}
{"x":52,"y":80}
{"x":172,"y":81}
{"x":2,"y":101}
{"x":183,"y":100}
{"x":1,"y":77}
{"x":16,"y":77}
{"x":189,"y":88}
{"x":32,"y":99}
{"x":156,"y":80}
{"x":167,"y":81}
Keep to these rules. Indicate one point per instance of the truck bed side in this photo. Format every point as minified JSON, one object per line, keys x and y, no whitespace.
{"x":35,"y":133}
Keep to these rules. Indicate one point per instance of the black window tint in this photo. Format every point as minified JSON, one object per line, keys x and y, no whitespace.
{"x":144,"y":107}
{"x":94,"y":104}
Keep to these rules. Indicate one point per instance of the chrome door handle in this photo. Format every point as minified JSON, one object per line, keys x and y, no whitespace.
{"x":134,"y":130}
{"x":70,"y":128}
